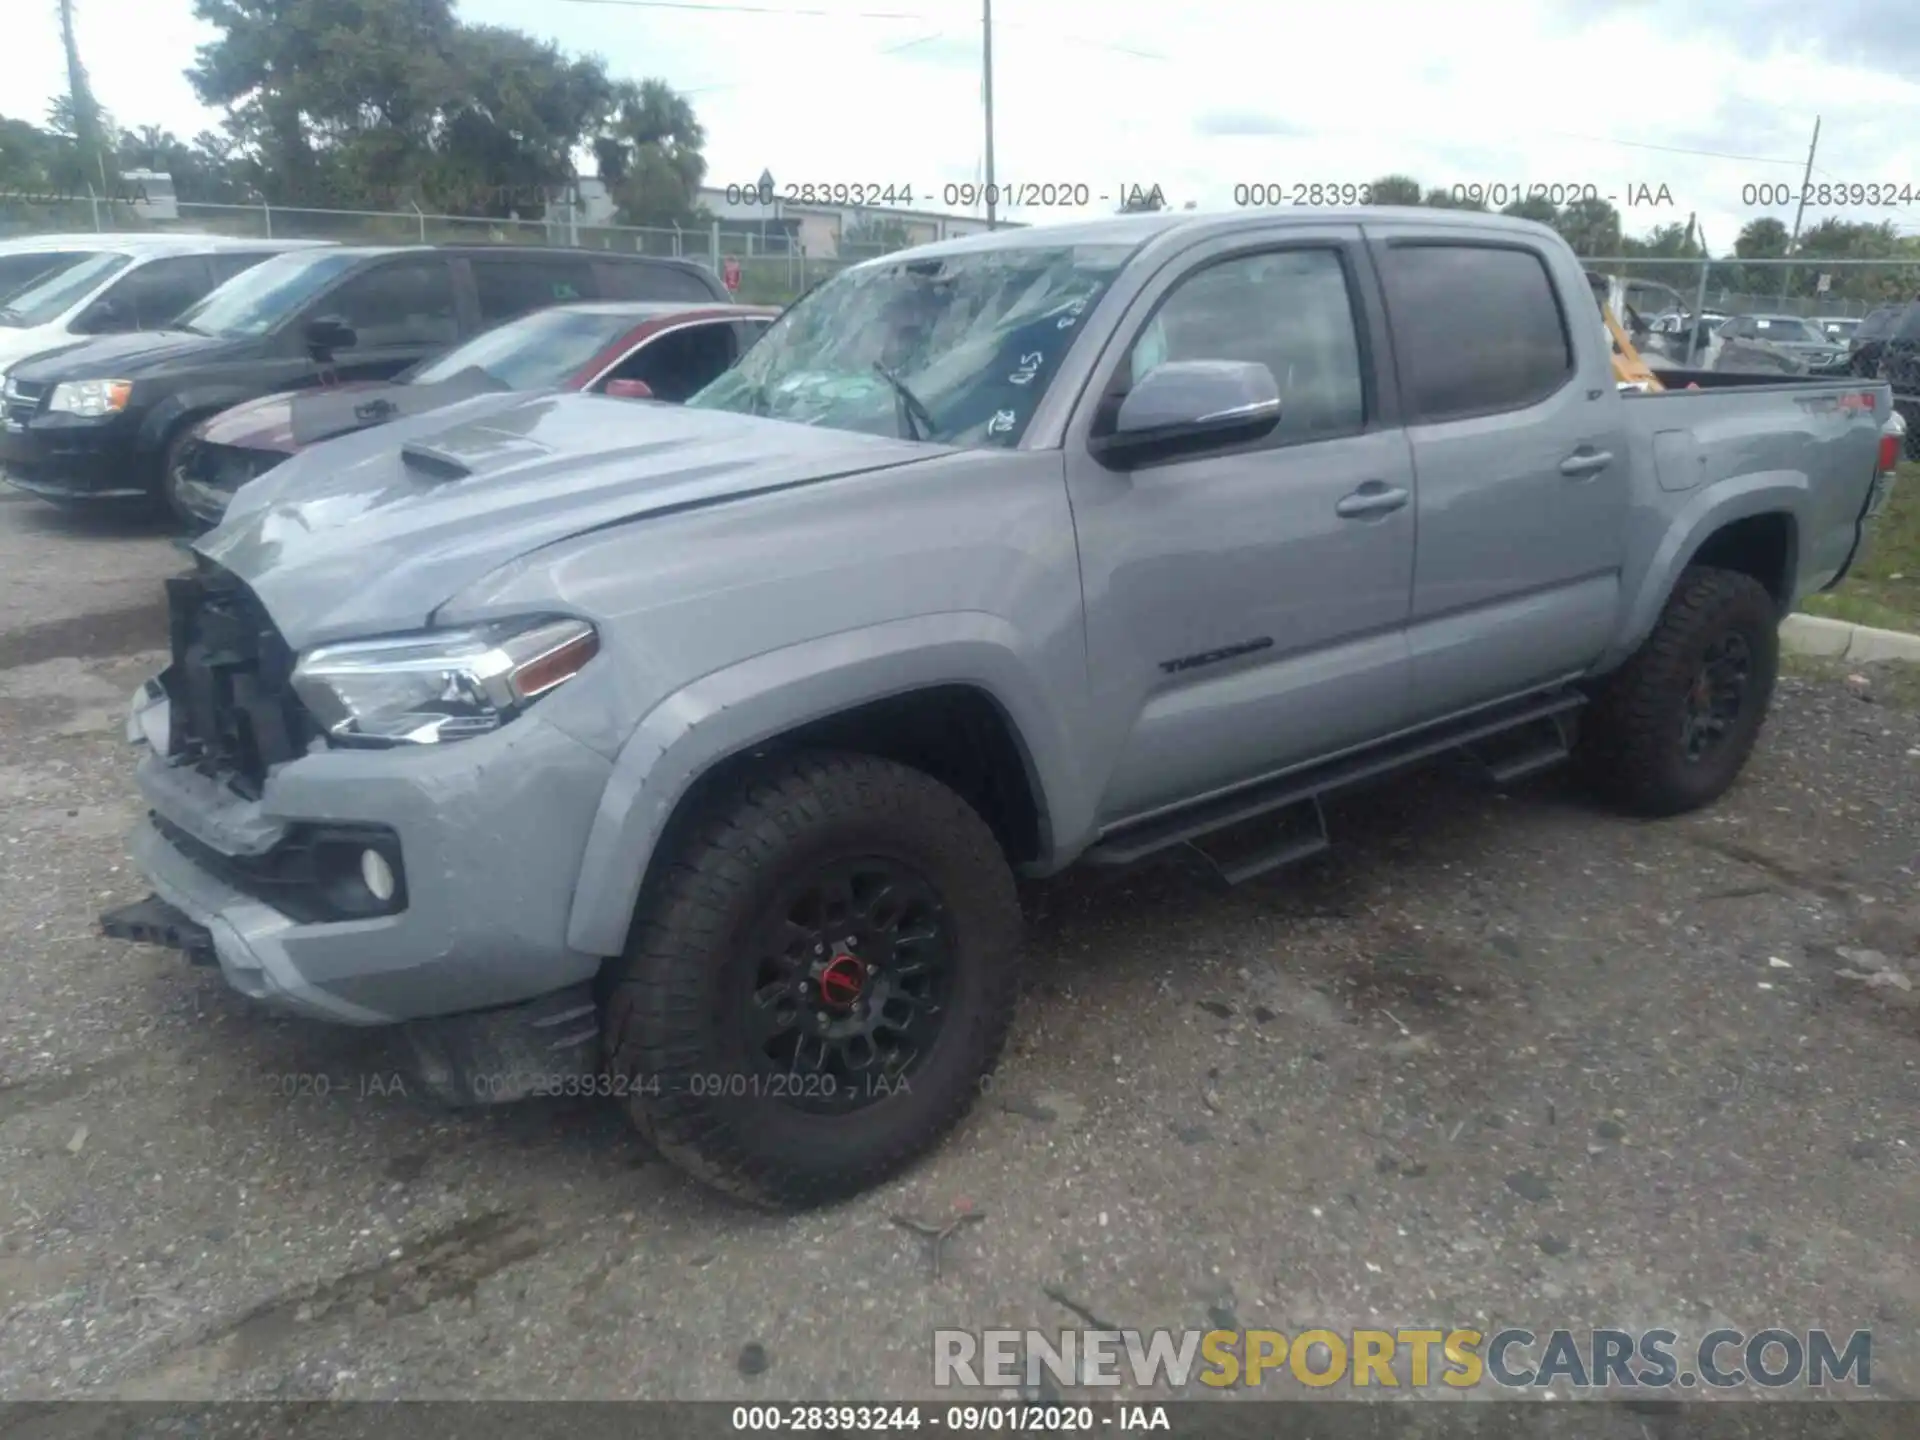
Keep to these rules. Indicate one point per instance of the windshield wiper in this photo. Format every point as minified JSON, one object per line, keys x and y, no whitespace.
{"x":920,"y":421}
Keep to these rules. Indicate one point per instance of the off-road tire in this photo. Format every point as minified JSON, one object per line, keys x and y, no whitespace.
{"x":663,"y":1030}
{"x":1631,"y":748}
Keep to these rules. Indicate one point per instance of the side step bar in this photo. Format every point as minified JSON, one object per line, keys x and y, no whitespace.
{"x":1505,"y":742}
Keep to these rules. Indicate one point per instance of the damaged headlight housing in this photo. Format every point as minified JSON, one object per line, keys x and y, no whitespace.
{"x":437,"y":686}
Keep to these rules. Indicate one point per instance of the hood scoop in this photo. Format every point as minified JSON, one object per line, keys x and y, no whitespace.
{"x":434,"y":463}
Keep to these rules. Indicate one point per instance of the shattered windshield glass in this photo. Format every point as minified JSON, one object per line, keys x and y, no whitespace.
{"x":956,"y":349}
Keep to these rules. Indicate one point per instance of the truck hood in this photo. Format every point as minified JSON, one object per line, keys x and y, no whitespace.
{"x":374,"y":531}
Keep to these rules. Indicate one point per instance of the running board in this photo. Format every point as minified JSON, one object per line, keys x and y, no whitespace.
{"x":1524,"y":752}
{"x":1304,"y":830}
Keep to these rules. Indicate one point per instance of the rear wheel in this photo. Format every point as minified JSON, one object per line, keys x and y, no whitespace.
{"x":1671,"y":729}
{"x":820,"y":974}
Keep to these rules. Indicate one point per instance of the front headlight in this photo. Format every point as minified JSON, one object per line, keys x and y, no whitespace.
{"x":436,"y":686}
{"x":90,"y":397}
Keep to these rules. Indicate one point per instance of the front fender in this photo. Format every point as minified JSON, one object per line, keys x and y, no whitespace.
{"x":160,"y":423}
{"x":1673,"y":540}
{"x":734,"y":709}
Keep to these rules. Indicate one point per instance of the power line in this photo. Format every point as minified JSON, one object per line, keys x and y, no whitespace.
{"x":740,"y":9}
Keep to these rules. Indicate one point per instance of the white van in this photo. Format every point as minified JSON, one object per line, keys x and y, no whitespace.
{"x":107,"y":284}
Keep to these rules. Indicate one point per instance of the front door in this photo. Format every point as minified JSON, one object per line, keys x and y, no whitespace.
{"x":400,"y":312}
{"x":1246,"y":609}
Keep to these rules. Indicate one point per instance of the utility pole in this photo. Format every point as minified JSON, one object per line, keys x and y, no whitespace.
{"x":986,"y":95}
{"x":1786,"y":271}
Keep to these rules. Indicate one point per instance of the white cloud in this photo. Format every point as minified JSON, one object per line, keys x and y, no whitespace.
{"x":1195,"y":99}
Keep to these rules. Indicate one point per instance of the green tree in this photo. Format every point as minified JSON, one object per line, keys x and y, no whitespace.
{"x":649,"y":151}
{"x":505,"y":139}
{"x":1395,"y":190}
{"x":1533,"y":207}
{"x":331,"y":101}
{"x":30,"y":156}
{"x":1591,"y":226}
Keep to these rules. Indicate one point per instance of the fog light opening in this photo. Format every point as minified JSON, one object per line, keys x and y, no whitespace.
{"x":377,"y":875}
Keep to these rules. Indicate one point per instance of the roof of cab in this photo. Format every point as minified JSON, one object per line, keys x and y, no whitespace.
{"x":1139,"y":230}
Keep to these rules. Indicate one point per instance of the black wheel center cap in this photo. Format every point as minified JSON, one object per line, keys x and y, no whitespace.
{"x":842,"y":981}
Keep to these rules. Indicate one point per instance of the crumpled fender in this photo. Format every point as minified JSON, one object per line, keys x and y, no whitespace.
{"x":732,"y":710}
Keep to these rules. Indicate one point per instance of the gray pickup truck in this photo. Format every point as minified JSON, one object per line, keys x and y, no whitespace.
{"x":687,"y":754}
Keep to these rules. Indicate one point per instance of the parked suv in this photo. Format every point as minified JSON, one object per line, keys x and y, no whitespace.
{"x":103,"y":420}
{"x":704,"y":741}
{"x":123,"y":284}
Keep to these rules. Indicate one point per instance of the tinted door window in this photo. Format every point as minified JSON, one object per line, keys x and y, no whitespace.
{"x":676,"y":364}
{"x":407,"y":304}
{"x":1290,"y":310}
{"x":1478,"y":328}
{"x":150,"y":295}
{"x":507,"y":288}
{"x":637,"y":280}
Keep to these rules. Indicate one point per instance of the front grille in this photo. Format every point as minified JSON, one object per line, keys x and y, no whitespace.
{"x":231,"y":702}
{"x":22,"y":400}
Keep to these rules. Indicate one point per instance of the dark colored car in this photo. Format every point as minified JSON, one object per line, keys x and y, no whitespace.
{"x":103,"y":418}
{"x":665,"y":350}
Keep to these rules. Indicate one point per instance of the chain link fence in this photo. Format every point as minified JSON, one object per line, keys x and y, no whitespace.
{"x":774,"y":266}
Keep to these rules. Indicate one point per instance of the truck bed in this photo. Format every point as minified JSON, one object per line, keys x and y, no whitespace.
{"x":1818,"y":435}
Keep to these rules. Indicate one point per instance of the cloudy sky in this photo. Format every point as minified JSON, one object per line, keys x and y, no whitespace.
{"x":1200,"y":97}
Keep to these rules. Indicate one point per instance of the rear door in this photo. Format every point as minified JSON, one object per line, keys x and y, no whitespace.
{"x":509,"y":286}
{"x":1243,"y":612}
{"x":1522,"y":468}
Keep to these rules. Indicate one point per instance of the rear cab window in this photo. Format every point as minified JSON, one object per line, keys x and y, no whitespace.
{"x":1478,"y":327}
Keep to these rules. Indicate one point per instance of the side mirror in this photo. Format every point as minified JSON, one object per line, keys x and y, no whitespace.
{"x":1188,"y":406}
{"x":629,"y":390}
{"x":328,"y":333}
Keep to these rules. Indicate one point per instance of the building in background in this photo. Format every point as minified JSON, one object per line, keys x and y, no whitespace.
{"x":780,"y":227}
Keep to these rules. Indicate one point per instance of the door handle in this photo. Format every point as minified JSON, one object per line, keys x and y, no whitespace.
{"x":1586,"y":462}
{"x":1376,"y":497}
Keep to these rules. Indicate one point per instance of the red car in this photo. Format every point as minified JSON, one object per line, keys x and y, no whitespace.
{"x":637,"y":349}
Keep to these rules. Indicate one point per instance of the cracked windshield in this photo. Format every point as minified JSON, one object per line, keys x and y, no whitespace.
{"x":956,"y":350}
{"x":959,"y":717}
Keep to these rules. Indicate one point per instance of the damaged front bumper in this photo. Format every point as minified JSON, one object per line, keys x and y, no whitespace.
{"x":486,"y":835}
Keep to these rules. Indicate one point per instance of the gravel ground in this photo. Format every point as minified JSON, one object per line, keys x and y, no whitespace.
{"x":1496,"y":1060}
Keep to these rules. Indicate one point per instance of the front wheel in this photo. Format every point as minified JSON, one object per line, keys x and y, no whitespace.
{"x":1670,"y":730}
{"x":820,"y":976}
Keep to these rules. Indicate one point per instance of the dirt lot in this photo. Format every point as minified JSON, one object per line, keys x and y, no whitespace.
{"x":1497,"y":1060}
